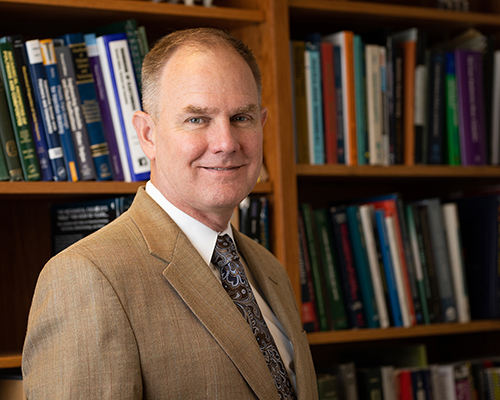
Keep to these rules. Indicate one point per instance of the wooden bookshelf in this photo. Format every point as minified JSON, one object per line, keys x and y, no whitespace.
{"x":10,"y":360}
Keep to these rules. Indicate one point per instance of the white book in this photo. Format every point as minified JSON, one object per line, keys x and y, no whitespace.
{"x":453,"y":237}
{"x":398,"y":270}
{"x":366,"y":214}
{"x":374,"y":104}
{"x":443,"y":381}
{"x":388,"y":382}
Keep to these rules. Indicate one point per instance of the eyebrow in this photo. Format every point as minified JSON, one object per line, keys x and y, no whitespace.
{"x":191,"y":109}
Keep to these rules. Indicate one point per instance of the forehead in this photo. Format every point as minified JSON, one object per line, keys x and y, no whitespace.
{"x":216,"y":70}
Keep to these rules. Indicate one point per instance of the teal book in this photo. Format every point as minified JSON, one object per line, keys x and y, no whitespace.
{"x":362,"y":266}
{"x":359,"y":86}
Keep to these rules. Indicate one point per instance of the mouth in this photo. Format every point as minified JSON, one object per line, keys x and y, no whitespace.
{"x":221,"y":169}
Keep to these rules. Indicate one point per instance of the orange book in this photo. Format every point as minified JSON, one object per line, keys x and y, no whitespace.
{"x":410,"y":49}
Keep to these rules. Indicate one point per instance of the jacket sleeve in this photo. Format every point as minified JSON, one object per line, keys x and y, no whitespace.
{"x":79,"y":342}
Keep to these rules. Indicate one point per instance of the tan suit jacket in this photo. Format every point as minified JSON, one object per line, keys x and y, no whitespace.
{"x":133,"y":312}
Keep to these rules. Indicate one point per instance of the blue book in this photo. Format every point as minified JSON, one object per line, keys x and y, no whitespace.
{"x":388,"y":268}
{"x":61,"y":114}
{"x":359,"y":85}
{"x":121,"y":86}
{"x":32,"y":113}
{"x":362,"y":266}
{"x":102,"y":98}
{"x":44,"y":105}
{"x":90,"y":106}
{"x":314,"y":96}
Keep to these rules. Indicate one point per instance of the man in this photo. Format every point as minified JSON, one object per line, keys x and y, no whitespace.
{"x":137,"y":310}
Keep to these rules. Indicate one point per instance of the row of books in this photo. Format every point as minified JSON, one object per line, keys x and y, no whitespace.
{"x":381,"y":261}
{"x":461,"y":380}
{"x":73,"y":221}
{"x":385,"y":97}
{"x":66,"y":105}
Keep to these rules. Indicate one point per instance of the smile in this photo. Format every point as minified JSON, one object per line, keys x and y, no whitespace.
{"x":221,"y":169}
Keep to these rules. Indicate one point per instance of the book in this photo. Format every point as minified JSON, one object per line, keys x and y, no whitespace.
{"x":454,"y":240}
{"x":348,"y":385}
{"x":339,"y":103}
{"x":404,"y":384}
{"x":67,"y":75}
{"x":451,"y":105}
{"x":471,"y":122}
{"x":328,"y":388}
{"x":392,"y":288}
{"x":43,"y":100}
{"x":7,"y":140}
{"x":362,"y":266}
{"x":318,"y":280}
{"x":337,"y":312}
{"x":32,"y":112}
{"x":124,"y":100}
{"x":73,"y":221}
{"x":329,"y":102}
{"x":60,"y":111}
{"x":367,"y":217}
{"x":495,"y":112}
{"x":369,"y":383}
{"x":387,"y":377}
{"x":308,"y":298}
{"x":4,"y":172}
{"x":435,"y":146}
{"x":345,"y":41}
{"x":89,"y":105}
{"x":314,"y":99}
{"x":374,"y":104}
{"x":441,"y":259}
{"x":300,"y":102}
{"x":347,"y":269}
{"x":18,"y":115}
{"x":360,"y":89}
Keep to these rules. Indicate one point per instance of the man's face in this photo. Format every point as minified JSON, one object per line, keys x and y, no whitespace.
{"x":208,"y":137}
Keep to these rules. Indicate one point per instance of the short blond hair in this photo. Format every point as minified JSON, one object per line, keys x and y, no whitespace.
{"x":197,"y":39}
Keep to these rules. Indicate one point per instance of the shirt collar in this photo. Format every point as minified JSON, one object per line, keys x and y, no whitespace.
{"x":201,"y":236}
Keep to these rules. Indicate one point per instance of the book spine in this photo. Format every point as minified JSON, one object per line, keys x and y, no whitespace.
{"x":74,"y":111}
{"x":308,"y":304}
{"x":300,"y":98}
{"x":7,"y":139}
{"x":60,"y":112}
{"x":314,"y":104}
{"x":329,"y":106}
{"x":436,"y":115}
{"x":469,"y":66}
{"x":126,"y":93}
{"x":362,"y":267}
{"x":347,"y":271}
{"x":374,"y":103}
{"x":359,"y":82}
{"x":339,"y":102}
{"x":104,"y":107}
{"x":451,"y":102}
{"x":307,"y":215}
{"x":18,"y":116}
{"x":495,"y":111}
{"x":32,"y":112}
{"x":46,"y":111}
{"x":90,"y":108}
{"x":388,"y":268}
{"x":334,"y":292}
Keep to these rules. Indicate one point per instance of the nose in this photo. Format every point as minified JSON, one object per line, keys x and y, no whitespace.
{"x":224,"y":138}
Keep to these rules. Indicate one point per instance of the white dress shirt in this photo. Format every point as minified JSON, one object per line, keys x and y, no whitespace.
{"x":204,"y":239}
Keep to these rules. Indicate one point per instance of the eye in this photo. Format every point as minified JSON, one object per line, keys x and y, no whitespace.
{"x":241,"y":118}
{"x":195,"y":120}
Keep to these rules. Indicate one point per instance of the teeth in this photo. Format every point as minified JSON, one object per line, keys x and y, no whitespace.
{"x":221,"y":169}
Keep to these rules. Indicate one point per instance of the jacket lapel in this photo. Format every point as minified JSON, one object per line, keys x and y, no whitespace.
{"x":188,"y":274}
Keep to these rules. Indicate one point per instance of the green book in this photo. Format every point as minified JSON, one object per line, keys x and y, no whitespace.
{"x":333,"y":290}
{"x":451,"y":101}
{"x":308,"y":217}
{"x":16,"y":105}
{"x":4,"y":172}
{"x":328,"y":388}
{"x":7,"y":140}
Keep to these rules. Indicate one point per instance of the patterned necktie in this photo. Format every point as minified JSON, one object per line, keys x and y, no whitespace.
{"x":236,"y":284}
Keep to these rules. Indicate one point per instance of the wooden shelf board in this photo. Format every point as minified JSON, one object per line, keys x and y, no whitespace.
{"x":10,"y":360}
{"x":395,"y":12}
{"x":395,"y":171}
{"x":368,"y":335}
{"x":145,"y":8}
{"x":86,"y":188}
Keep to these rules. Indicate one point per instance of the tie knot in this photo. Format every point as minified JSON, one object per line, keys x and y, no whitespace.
{"x":225,"y":251}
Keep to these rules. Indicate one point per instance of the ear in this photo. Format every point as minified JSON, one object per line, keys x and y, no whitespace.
{"x":146,"y":132}
{"x":263,"y":116}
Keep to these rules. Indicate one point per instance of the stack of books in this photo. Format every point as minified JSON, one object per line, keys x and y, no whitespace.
{"x":66,"y":106}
